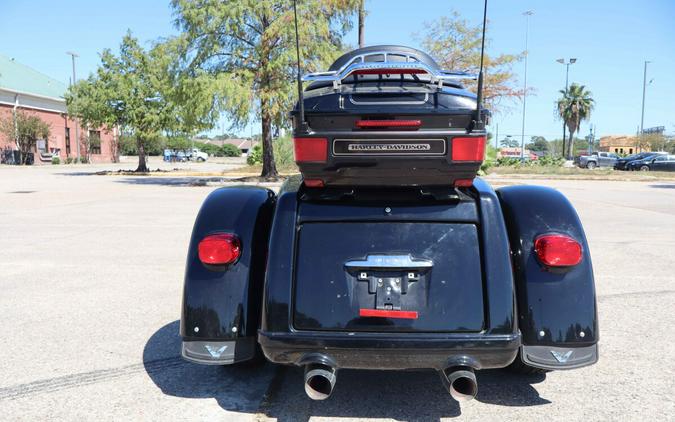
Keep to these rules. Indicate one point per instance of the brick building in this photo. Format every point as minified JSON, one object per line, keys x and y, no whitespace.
{"x":23,"y":88}
{"x":621,"y":144}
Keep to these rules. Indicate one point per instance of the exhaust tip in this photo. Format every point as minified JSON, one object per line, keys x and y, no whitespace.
{"x":319,"y":381}
{"x":461,"y":383}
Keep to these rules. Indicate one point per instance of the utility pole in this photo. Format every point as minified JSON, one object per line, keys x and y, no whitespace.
{"x":77,"y":132}
{"x":567,"y":79}
{"x":497,"y":137}
{"x":527,"y":15}
{"x":644,"y":92}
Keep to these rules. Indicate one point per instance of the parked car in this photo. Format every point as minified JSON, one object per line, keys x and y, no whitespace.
{"x":196,"y":154}
{"x":622,"y":163}
{"x":598,"y":159}
{"x":657,"y":162}
{"x":387,"y":252}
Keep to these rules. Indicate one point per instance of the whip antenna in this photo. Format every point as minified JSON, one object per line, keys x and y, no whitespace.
{"x":301,"y":99}
{"x":479,"y":95}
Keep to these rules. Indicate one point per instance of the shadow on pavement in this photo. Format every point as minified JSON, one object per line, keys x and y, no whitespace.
{"x":235,"y":388}
{"x":671,"y":186}
{"x":278,"y":392}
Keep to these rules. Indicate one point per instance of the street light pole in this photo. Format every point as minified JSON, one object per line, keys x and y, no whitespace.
{"x":644,"y":92}
{"x":527,"y":15}
{"x":77,"y":132}
{"x":567,"y":79}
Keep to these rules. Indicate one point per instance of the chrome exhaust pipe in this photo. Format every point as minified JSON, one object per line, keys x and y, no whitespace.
{"x":460,"y":381}
{"x":319,"y":381}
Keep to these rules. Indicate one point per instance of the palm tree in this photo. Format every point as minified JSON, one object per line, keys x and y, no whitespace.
{"x":574,"y":106}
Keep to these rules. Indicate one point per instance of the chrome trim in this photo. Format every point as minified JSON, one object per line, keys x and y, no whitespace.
{"x":411,"y":63}
{"x":389,"y":262}
{"x":556,"y":358}
{"x":426,"y":98}
{"x":375,"y":140}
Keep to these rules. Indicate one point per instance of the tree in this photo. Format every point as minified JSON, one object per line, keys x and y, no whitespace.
{"x":362,"y":23}
{"x":537,"y":143}
{"x":509,"y":142}
{"x":248,"y":49}
{"x":25,"y":129}
{"x":574,"y":106}
{"x":455,"y":45}
{"x":134,"y":91}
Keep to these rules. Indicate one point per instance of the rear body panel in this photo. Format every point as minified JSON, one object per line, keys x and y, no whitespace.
{"x":447,"y":295}
{"x":470,"y":317}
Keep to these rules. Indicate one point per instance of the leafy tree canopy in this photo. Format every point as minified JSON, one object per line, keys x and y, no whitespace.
{"x":25,"y":129}
{"x":455,"y":44}
{"x":247,"y":47}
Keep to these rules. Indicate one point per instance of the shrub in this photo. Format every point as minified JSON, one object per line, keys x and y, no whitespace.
{"x":229,"y":150}
{"x":56,"y":160}
{"x":254,"y":156}
{"x":69,"y":160}
{"x":84,"y":160}
{"x":283,"y":152}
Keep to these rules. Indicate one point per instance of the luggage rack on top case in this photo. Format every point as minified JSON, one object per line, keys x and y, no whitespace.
{"x":405,"y":63}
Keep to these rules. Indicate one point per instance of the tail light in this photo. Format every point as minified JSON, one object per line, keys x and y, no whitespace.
{"x":310,"y":150}
{"x":468,"y":148}
{"x":408,"y":124}
{"x":219,"y":249}
{"x":557,"y":250}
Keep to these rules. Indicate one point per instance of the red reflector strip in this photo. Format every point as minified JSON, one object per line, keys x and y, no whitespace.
{"x":310,"y":150}
{"x":468,"y":148}
{"x":314,"y":183}
{"x":388,"y":123}
{"x":389,"y":72}
{"x":382,"y":313}
{"x":463,"y":183}
{"x":557,"y":250}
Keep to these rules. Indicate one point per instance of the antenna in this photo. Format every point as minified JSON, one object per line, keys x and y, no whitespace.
{"x":479,"y":95}
{"x":302,"y":127}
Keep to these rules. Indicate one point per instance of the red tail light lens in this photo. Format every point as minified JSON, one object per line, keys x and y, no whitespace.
{"x":219,"y":249}
{"x":468,"y":148}
{"x":557,"y":250}
{"x":411,"y":124}
{"x":310,"y":150}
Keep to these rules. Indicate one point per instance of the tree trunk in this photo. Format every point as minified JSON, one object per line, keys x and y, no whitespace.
{"x":362,"y":22}
{"x":570,"y":148}
{"x":142,"y":166}
{"x":269,"y":167}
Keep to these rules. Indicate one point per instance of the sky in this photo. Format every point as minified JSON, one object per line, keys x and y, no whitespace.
{"x":611,"y":40}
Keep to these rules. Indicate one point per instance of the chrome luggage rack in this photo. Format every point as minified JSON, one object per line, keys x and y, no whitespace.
{"x":405,"y":64}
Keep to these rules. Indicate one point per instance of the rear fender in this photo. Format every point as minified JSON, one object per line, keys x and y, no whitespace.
{"x":225,"y":305}
{"x":556,"y":309}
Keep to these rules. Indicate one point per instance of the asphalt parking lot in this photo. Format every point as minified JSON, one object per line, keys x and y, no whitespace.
{"x":91,"y":274}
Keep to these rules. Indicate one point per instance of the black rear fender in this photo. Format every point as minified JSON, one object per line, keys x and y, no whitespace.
{"x":225,"y":304}
{"x":556,"y":308}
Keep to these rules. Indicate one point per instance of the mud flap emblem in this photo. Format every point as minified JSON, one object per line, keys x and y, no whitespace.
{"x":562,"y":357}
{"x":215,"y":352}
